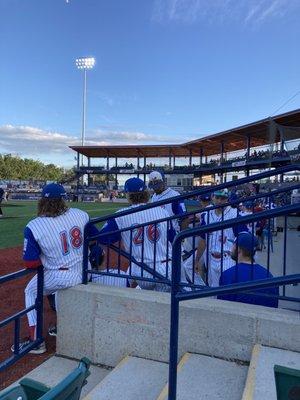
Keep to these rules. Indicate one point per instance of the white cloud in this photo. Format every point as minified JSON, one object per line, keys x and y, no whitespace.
{"x":36,"y":143}
{"x":208,"y":11}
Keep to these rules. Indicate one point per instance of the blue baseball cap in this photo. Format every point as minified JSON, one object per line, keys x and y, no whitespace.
{"x":134,"y":185}
{"x":248,"y":204}
{"x":247,"y":241}
{"x":53,"y":191}
{"x":205,"y":197}
{"x":233,"y":196}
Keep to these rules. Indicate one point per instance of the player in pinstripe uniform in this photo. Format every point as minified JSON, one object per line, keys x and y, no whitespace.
{"x":98,"y":261}
{"x":55,"y":240}
{"x":150,"y":244}
{"x":191,"y":244}
{"x":161,"y":192}
{"x":218,"y":243}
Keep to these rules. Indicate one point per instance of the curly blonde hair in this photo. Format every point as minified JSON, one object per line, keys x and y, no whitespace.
{"x":51,"y":207}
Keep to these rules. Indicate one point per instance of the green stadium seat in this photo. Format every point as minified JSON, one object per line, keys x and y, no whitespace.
{"x":287,"y":383}
{"x":68,"y":389}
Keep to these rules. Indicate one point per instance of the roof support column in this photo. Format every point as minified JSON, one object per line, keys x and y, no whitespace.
{"x":190,"y":160}
{"x":174,"y":160}
{"x":78,"y":160}
{"x":201,"y":155}
{"x":170,"y":158}
{"x":138,"y":165}
{"x":107,"y":162}
{"x":248,"y":144}
{"x":221,"y":161}
{"x":222,"y":152}
{"x":78,"y":176}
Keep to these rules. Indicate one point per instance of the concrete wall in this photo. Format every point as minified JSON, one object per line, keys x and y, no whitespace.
{"x":106,"y":323}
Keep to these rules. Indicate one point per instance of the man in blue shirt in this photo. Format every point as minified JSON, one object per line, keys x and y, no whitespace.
{"x":245,"y":270}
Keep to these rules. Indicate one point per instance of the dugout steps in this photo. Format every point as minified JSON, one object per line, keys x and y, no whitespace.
{"x":260,"y":382}
{"x":200,"y":377}
{"x":133,"y":378}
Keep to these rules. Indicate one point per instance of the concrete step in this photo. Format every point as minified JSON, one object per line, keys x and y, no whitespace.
{"x":55,"y":369}
{"x":133,"y":378}
{"x":260,"y":382}
{"x":203,"y":377}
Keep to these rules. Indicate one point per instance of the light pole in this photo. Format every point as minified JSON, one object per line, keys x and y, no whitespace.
{"x":84,"y":63}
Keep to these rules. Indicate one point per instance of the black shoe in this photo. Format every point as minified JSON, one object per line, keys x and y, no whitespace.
{"x":52,"y":331}
{"x":40,"y":349}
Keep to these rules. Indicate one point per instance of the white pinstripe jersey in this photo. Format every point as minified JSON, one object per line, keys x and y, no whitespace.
{"x":60,"y":240}
{"x":168,"y":194}
{"x":143,"y":242}
{"x":216,"y":237}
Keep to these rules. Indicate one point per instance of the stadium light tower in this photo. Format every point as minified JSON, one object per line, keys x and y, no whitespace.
{"x":84,"y":63}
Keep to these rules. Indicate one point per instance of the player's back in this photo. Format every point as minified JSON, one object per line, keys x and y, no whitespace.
{"x":153,"y":238}
{"x":60,"y":238}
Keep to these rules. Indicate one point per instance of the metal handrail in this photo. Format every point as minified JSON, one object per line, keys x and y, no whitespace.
{"x":17,"y":316}
{"x":242,"y":181}
{"x":177,"y":295}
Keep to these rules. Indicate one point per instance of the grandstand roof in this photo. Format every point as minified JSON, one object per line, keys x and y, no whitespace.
{"x":233,"y":139}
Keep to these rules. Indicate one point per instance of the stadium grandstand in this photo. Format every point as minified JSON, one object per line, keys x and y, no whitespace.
{"x":217,"y":158}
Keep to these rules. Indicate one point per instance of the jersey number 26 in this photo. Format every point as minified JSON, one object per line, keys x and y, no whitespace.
{"x":152,"y":234}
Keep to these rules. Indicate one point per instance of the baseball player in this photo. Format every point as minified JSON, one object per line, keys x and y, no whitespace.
{"x":158,"y":184}
{"x":218,"y":243}
{"x":247,"y":209}
{"x":150,"y":244}
{"x":191,"y":244}
{"x":246,"y":269}
{"x":97,"y":261}
{"x":55,"y":240}
{"x":1,"y":198}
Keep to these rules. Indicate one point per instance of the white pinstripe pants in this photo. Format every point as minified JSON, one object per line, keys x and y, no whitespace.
{"x":53,"y":280}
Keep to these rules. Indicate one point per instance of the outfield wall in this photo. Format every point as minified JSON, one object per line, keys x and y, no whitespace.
{"x":107,"y":323}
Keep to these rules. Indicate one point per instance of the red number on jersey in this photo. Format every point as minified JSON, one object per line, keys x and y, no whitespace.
{"x":152,"y":234}
{"x":64,"y":242}
{"x":138,"y":236}
{"x":75,"y":238}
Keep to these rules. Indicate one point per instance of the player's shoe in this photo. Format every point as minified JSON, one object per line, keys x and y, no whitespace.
{"x":52,"y":331}
{"x":40,"y":349}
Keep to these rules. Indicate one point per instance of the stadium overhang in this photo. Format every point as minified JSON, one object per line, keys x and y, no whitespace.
{"x":255,"y":134}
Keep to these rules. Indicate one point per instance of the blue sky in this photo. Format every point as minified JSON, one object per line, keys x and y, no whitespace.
{"x":167,"y":70}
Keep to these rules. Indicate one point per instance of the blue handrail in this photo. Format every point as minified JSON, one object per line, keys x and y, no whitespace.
{"x":242,"y":181}
{"x":17,"y":316}
{"x":177,"y":295}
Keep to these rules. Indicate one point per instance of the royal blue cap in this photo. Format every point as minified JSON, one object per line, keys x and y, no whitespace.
{"x":53,"y":191}
{"x":247,"y":241}
{"x":133,"y":185}
{"x":248,"y":204}
{"x":233,"y":197}
{"x":205,"y":197}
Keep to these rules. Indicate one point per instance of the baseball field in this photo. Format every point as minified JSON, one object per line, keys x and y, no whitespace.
{"x":16,"y":216}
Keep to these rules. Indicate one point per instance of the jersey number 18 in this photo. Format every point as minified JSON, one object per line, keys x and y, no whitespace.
{"x":74,"y":238}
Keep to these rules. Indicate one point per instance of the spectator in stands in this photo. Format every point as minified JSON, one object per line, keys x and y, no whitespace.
{"x":245,"y":270}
